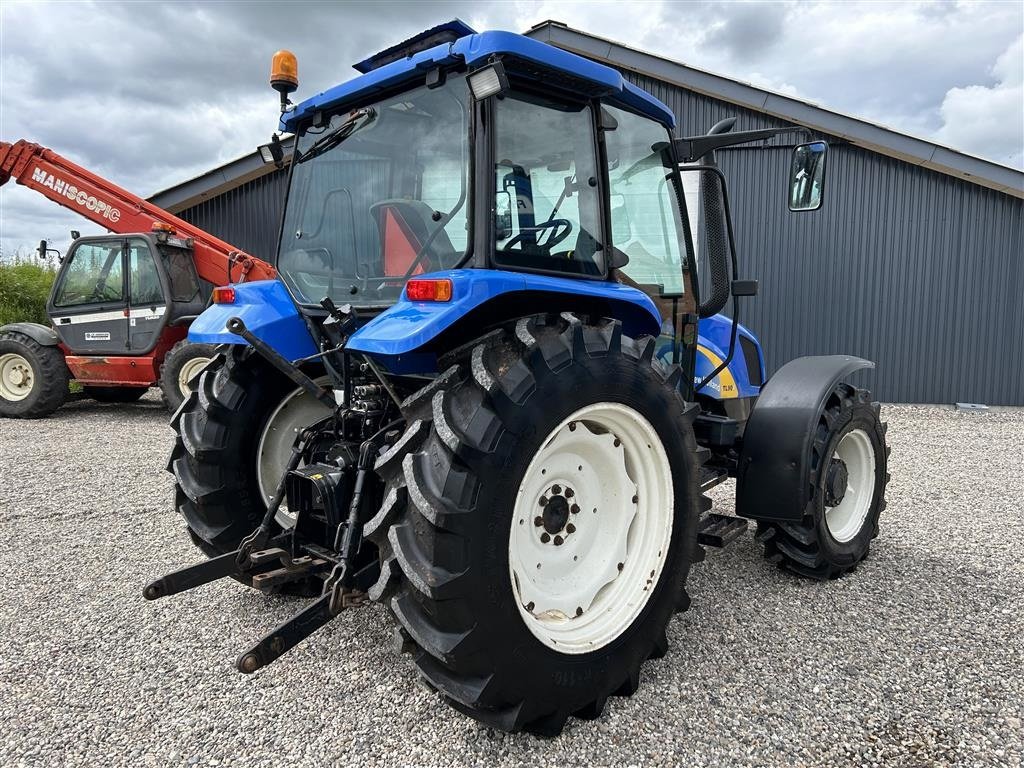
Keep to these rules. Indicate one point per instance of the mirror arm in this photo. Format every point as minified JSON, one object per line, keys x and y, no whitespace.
{"x":692,"y":148}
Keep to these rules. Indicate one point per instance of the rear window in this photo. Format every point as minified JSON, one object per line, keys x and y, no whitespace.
{"x":182,"y":274}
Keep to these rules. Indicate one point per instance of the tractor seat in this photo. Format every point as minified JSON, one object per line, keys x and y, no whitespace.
{"x":405,"y":227}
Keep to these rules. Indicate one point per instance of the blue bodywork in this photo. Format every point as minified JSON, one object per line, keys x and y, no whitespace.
{"x":474,"y":50}
{"x":409,"y":325}
{"x":397,"y":336}
{"x":713,"y":335}
{"x":267,"y":310}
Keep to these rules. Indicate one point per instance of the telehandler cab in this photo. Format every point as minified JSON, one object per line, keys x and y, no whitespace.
{"x":487,"y":391}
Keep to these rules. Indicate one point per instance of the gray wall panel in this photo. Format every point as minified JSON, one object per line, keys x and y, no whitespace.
{"x":914,"y":269}
{"x":248,"y":217}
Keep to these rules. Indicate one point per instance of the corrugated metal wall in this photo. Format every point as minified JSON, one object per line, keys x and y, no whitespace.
{"x":248,"y":217}
{"x":913,"y":269}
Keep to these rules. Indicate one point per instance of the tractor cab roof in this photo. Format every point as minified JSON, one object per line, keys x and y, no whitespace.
{"x":550,"y":67}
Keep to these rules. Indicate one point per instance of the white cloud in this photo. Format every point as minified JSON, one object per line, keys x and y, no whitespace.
{"x":988,"y":120}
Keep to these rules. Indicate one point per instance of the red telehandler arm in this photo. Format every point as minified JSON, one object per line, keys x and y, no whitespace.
{"x":120,"y":211}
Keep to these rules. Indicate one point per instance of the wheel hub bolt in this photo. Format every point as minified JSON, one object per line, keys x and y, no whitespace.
{"x":570,"y":528}
{"x":545,"y":537}
{"x":556,"y":489}
{"x":558,"y":541}
{"x":569,"y":493}
{"x":538,"y":521}
{"x":543,"y":501}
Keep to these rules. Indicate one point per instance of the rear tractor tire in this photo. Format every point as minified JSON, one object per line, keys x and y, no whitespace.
{"x":182,"y":364}
{"x":231,"y":433}
{"x":33,"y":378}
{"x":540,"y":520}
{"x":849,"y":474}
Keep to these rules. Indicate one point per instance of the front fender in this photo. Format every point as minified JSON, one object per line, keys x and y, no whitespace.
{"x":40,"y":334}
{"x":774,"y":465}
{"x":409,"y":325}
{"x":267,"y":310}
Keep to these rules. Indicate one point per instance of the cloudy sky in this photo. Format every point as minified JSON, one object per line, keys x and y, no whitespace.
{"x":151,"y":93}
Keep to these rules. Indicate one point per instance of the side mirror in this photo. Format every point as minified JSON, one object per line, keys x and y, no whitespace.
{"x":807,"y":176}
{"x":502,"y":215}
{"x":41,"y":250}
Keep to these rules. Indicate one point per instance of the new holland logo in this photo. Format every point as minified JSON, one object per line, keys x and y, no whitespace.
{"x":73,"y":193}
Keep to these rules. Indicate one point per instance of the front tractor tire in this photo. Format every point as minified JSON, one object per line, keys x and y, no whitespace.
{"x":33,"y":378}
{"x":540,"y":521}
{"x":848,"y":477}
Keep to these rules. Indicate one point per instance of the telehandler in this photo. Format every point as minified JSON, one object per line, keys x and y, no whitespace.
{"x":120,"y":304}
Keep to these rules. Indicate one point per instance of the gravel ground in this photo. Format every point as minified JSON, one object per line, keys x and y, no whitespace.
{"x":917,"y":659}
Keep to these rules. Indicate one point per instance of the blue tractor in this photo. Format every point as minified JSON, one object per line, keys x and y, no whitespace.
{"x":488,"y":392}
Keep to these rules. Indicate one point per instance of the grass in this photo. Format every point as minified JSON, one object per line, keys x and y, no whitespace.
{"x":24,"y":288}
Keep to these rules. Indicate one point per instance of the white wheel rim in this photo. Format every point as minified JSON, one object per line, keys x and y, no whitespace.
{"x":574,"y":596}
{"x":296,"y":412}
{"x":188,"y":372}
{"x":16,"y":377}
{"x":845,"y":519}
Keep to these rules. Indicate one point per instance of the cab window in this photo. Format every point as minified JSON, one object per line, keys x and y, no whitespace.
{"x":181,"y":274}
{"x":547,"y":205}
{"x":145,"y":280}
{"x":92,"y":275}
{"x":644,"y":213}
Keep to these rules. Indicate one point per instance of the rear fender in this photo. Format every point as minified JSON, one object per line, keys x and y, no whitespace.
{"x":774,"y":465}
{"x":40,"y":334}
{"x":400,"y":336}
{"x":267,"y":310}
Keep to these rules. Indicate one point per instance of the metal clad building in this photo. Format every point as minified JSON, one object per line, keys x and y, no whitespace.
{"x":914,"y":261}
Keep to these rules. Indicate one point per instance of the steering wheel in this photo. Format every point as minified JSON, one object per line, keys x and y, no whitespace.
{"x":104,"y":292}
{"x":562,"y":228}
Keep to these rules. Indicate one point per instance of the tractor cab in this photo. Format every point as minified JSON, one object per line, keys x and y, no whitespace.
{"x":486,"y":155}
{"x":114,"y":295}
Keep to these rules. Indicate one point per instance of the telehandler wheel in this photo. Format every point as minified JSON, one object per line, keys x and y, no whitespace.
{"x":540,"y":520}
{"x":33,"y":378}
{"x":848,"y":479}
{"x":181,"y":365}
{"x":115,"y":394}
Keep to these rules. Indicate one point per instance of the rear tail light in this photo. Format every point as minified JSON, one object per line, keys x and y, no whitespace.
{"x":224,"y":294}
{"x":429,"y":290}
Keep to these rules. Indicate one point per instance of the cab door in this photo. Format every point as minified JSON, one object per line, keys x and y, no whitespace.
{"x":147,"y":298}
{"x":648,"y":227}
{"x":89,"y":305}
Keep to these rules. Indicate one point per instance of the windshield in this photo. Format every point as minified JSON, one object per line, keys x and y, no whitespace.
{"x":379,"y":195}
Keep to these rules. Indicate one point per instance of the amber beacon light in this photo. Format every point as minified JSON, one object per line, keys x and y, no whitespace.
{"x":284,"y":75}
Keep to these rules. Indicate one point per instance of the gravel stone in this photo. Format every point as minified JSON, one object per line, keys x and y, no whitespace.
{"x":916,"y":659}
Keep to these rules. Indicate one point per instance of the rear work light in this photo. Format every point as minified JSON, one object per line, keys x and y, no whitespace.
{"x":224,"y":294}
{"x":429,"y":290}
